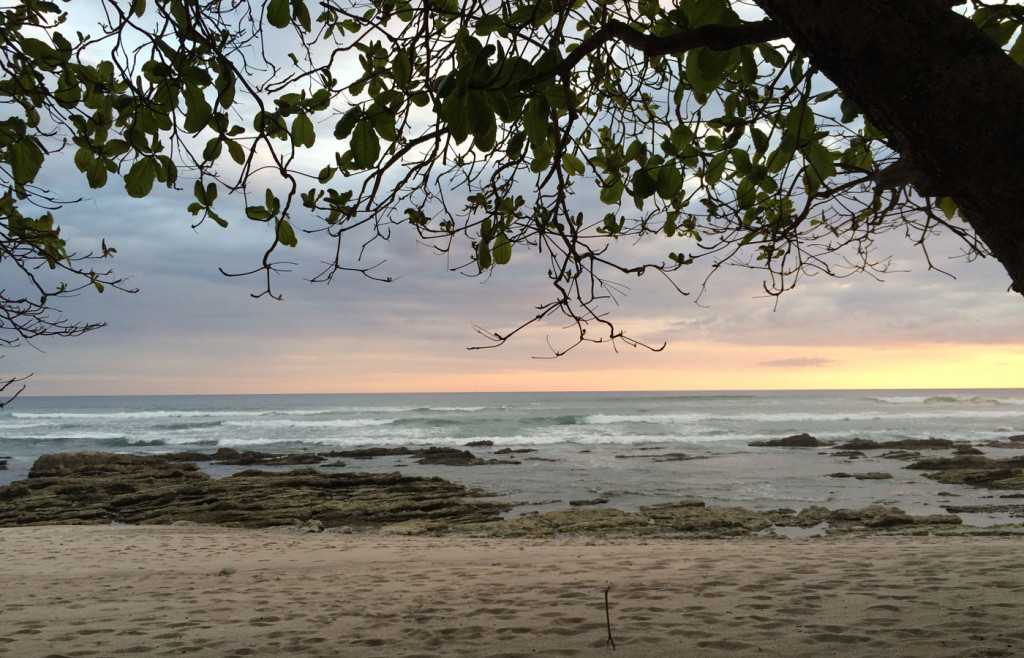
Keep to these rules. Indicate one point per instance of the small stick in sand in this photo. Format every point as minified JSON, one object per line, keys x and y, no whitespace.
{"x":608,"y":619}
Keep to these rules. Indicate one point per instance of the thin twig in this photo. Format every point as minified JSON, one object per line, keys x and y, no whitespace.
{"x":608,"y":619}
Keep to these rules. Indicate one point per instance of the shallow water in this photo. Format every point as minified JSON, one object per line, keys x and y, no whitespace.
{"x":598,"y":444}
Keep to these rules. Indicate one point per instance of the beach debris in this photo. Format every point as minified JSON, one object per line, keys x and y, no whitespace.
{"x":796,"y":441}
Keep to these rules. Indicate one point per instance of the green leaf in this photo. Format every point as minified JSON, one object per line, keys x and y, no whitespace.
{"x":800,"y":122}
{"x":643,"y":185}
{"x":536,"y":120}
{"x":236,"y":151}
{"x":347,"y":122}
{"x":573,"y":165}
{"x":502,"y":249}
{"x":947,"y":206}
{"x":258,"y":213}
{"x":489,"y":23}
{"x":302,"y":131}
{"x":138,"y":182}
{"x":25,"y":158}
{"x":286,"y":234}
{"x":771,"y":55}
{"x":611,"y":194}
{"x":301,"y":12}
{"x":96,"y":174}
{"x":1017,"y":52}
{"x":278,"y":13}
{"x":401,"y":68}
{"x":716,"y":169}
{"x":198,"y":111}
{"x":365,"y":145}
{"x":670,"y":181}
{"x":483,"y":255}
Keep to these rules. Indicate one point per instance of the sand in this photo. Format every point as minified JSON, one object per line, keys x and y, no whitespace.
{"x":113,"y":590}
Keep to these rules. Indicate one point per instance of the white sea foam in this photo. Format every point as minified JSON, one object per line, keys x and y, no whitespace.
{"x":309,"y":424}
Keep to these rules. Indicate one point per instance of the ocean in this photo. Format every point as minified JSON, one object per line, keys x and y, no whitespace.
{"x":584,"y":445}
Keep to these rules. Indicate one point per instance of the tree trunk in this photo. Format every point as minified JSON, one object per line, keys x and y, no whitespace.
{"x":950,"y":101}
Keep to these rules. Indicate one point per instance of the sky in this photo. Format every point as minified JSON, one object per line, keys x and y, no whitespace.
{"x":191,"y":330}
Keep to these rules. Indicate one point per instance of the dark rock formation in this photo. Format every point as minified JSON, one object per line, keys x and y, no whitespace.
{"x":517,"y":451}
{"x":795,"y":441}
{"x":483,"y":443}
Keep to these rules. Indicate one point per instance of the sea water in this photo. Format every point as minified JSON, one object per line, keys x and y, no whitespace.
{"x":584,"y":445}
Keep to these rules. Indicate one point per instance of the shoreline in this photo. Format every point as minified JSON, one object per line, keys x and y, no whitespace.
{"x":103,"y":590}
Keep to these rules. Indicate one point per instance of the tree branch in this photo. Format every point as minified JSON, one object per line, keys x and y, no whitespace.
{"x":715,"y":37}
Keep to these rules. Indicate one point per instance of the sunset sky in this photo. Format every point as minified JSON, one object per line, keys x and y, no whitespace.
{"x":191,"y":330}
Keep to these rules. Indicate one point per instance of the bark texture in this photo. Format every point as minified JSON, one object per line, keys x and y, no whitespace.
{"x":949,"y":99}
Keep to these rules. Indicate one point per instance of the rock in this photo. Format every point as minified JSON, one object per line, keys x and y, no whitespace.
{"x":873,"y":475}
{"x":517,"y":451}
{"x":483,"y":443}
{"x":334,"y":464}
{"x":448,"y":457}
{"x":87,"y":464}
{"x":967,"y":450}
{"x":227,"y":571}
{"x":795,"y":441}
{"x":849,"y":454}
{"x":901,"y":454}
{"x":105,"y":488}
{"x":589,"y":501}
{"x":903,"y":444}
{"x":369,"y":453}
{"x":975,"y":470}
{"x":3,"y":464}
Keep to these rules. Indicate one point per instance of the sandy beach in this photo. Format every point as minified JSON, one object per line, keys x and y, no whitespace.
{"x":113,"y":590}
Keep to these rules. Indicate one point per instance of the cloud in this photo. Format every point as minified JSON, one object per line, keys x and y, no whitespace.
{"x":799,"y":362}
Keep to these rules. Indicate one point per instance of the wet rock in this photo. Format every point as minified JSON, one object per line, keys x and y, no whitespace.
{"x":1012,"y":442}
{"x":589,"y":501}
{"x":334,"y":464}
{"x":795,"y":441}
{"x":517,"y":451}
{"x":872,"y":475}
{"x":105,"y":488}
{"x":454,"y":457}
{"x":369,"y":453}
{"x":664,"y":457}
{"x":849,"y":454}
{"x":901,"y":454}
{"x":904,"y":444}
{"x":483,"y":443}
{"x":86,"y":464}
{"x":967,"y":450}
{"x":1012,"y":510}
{"x":975,"y":470}
{"x":3,"y":464}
